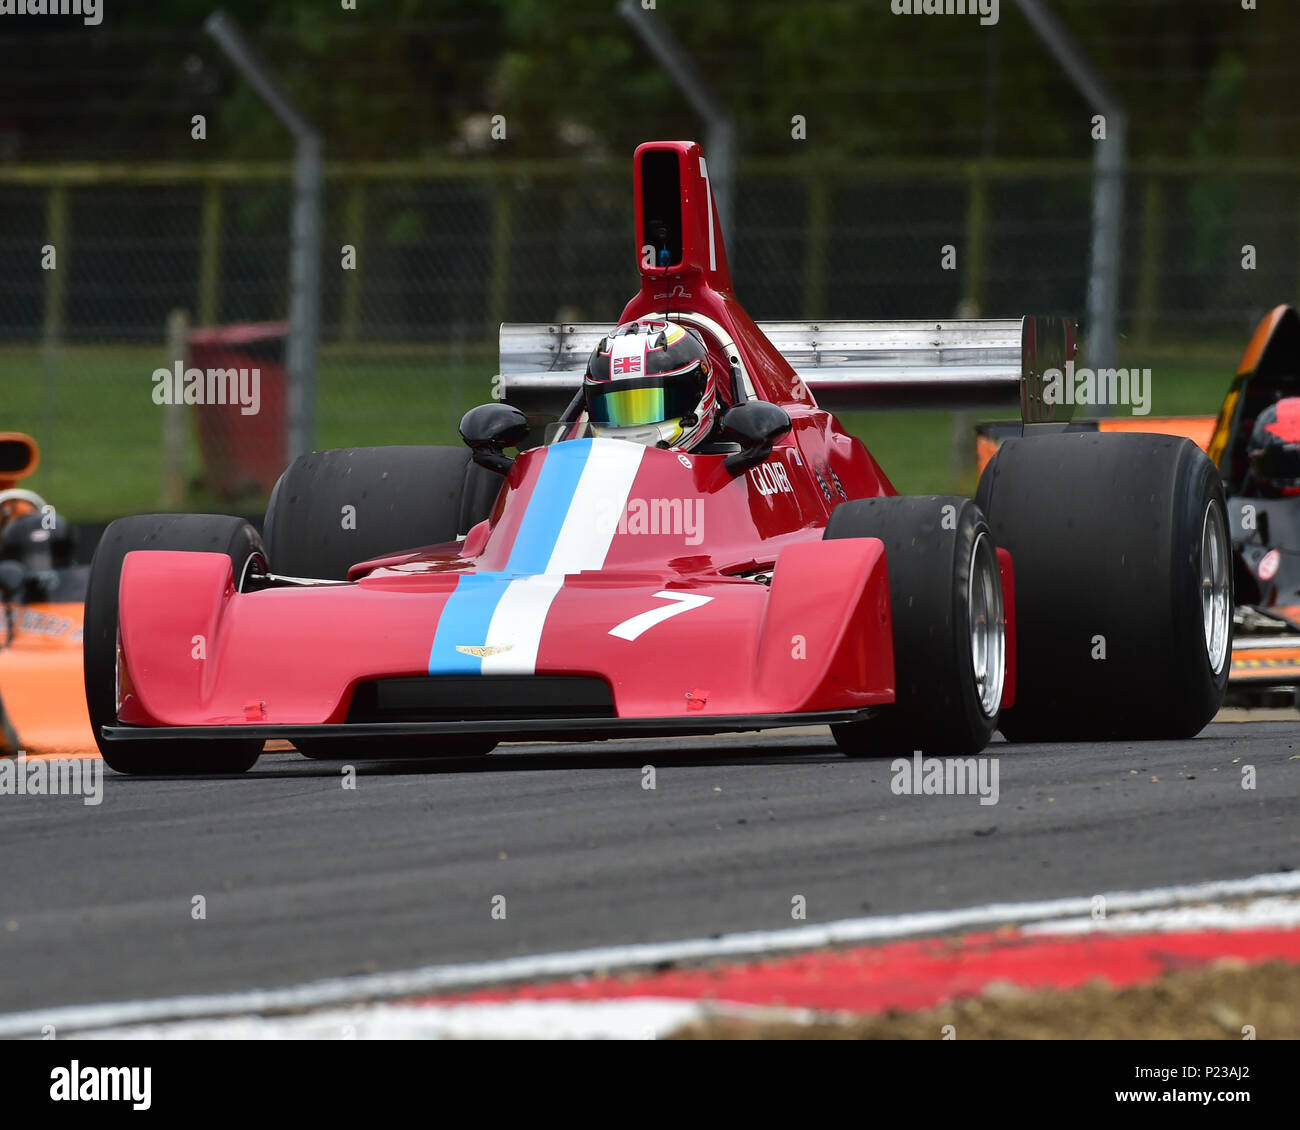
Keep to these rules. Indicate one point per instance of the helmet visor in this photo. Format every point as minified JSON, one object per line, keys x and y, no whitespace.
{"x":616,"y":405}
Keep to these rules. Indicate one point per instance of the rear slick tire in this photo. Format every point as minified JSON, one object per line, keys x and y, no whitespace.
{"x":1124,"y":592}
{"x":333,"y":509}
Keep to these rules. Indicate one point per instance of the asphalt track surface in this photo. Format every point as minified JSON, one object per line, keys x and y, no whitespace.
{"x":304,"y":879}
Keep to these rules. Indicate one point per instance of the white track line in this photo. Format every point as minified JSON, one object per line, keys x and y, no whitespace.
{"x":631,"y":1019}
{"x":1258,"y":914}
{"x":443,"y":978}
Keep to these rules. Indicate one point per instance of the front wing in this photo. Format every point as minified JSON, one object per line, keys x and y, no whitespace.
{"x":581,"y":655}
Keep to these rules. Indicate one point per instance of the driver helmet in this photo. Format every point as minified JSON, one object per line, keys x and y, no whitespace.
{"x":651,"y":382}
{"x":1274,"y":448}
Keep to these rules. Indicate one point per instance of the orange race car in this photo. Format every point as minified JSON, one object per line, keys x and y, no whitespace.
{"x":42,"y":594}
{"x":1255,"y":443}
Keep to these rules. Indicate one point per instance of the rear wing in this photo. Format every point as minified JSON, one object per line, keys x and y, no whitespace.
{"x":849,"y":366}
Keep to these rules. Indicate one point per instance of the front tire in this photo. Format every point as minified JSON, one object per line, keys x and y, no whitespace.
{"x":945,"y":595}
{"x":203,"y":533}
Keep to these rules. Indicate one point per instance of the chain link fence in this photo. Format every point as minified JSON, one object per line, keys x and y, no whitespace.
{"x":94,"y":260}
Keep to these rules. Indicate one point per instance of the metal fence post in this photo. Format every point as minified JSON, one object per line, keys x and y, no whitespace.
{"x":720,"y":130}
{"x":974,"y":289}
{"x":1109,"y":159}
{"x":1148,"y":288}
{"x":305,"y":232}
{"x":354,"y":227}
{"x":502,"y":232}
{"x":1107,"y":244}
{"x":56,"y":290}
{"x":816,"y":267}
{"x":56,"y":293}
{"x":209,"y":296}
{"x":172,"y":495}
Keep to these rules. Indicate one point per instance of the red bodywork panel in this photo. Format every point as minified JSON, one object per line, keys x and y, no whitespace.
{"x":692,"y":591}
{"x":816,"y":638}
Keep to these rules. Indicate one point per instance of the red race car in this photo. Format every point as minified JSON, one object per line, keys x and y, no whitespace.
{"x":686,"y":542}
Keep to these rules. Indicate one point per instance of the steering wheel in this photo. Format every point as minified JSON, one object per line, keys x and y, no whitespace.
{"x":14,"y":503}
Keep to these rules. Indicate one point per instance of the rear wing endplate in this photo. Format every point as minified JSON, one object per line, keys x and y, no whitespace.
{"x":848,"y":365}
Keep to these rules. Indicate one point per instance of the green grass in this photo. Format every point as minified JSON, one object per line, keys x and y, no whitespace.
{"x":92,"y":412}
{"x":933,"y":452}
{"x":100,"y":433}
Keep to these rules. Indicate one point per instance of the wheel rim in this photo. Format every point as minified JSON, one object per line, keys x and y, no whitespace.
{"x":1216,"y":594}
{"x":987,"y":625}
{"x":252,"y":561}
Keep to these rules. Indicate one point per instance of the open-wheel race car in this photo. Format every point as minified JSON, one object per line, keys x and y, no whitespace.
{"x":686,"y":542}
{"x":42,"y":706}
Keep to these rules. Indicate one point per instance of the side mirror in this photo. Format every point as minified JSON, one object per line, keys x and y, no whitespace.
{"x":489,"y":429}
{"x":757,"y":425}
